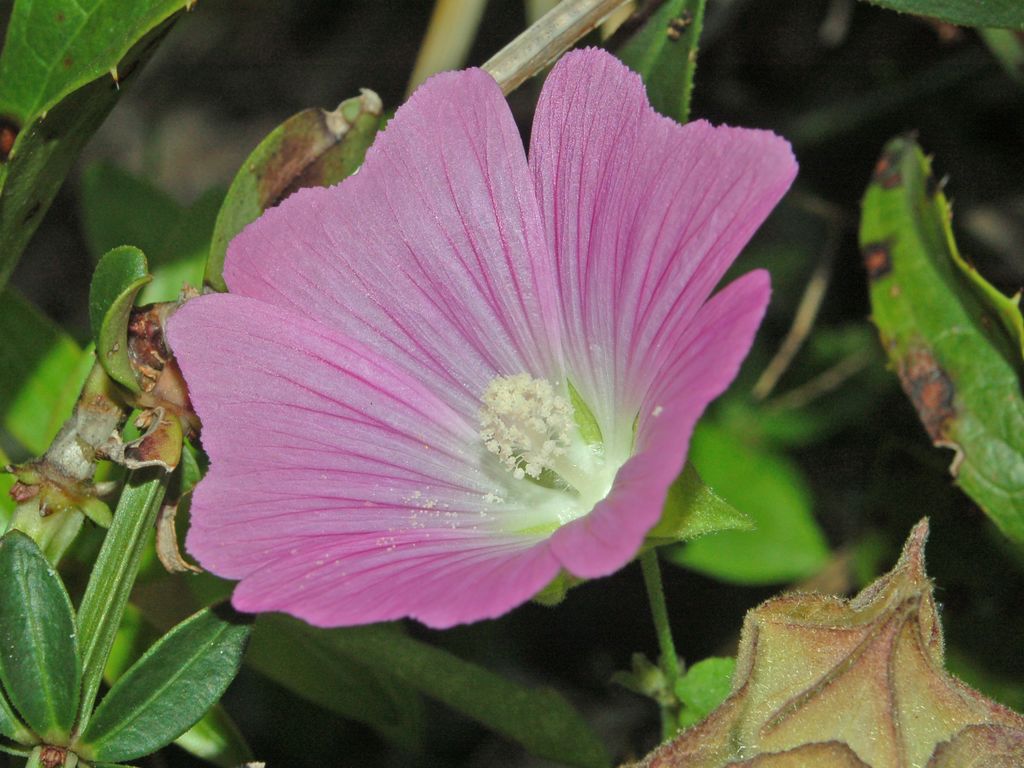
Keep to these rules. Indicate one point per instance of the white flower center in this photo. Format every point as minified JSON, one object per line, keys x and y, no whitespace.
{"x":532,"y":430}
{"x":526,"y":424}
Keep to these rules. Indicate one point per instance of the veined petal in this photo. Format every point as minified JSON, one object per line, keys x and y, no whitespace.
{"x":644,"y":216}
{"x":433,"y":254}
{"x":328,"y":463}
{"x":706,"y":359}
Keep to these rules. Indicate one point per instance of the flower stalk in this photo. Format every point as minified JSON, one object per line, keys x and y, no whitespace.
{"x":669,"y":661}
{"x":547,"y":39}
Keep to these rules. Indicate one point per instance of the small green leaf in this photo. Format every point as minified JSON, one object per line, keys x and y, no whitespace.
{"x":704,"y":686}
{"x":313,"y":148}
{"x":119,"y":208}
{"x":954,"y":340}
{"x":693,"y":509}
{"x":1007,"y":14}
{"x":664,"y":52}
{"x":169,"y":689}
{"x":590,"y":430}
{"x":57,"y":84}
{"x":539,"y":719}
{"x":120,"y":275}
{"x":113,"y":576}
{"x":786,"y":544}
{"x":39,"y":662}
{"x":215,"y":738}
{"x":41,"y":373}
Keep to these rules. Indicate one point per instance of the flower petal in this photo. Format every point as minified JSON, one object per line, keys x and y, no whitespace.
{"x":644,"y":216}
{"x":341,"y":489}
{"x":707,"y":358}
{"x":433,"y":254}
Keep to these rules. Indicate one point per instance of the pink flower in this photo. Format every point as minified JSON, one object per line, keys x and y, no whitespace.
{"x":438,"y":383}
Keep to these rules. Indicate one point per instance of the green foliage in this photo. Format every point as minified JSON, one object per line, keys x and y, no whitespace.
{"x":306,"y":662}
{"x":953,"y":339}
{"x":539,"y":719}
{"x":704,"y":686}
{"x":215,"y":737}
{"x":1007,"y":14}
{"x":57,"y":84}
{"x":786,"y":543}
{"x":119,"y":209}
{"x":39,"y":663}
{"x":41,"y":372}
{"x":113,"y":576}
{"x":119,"y":276}
{"x":168,"y":689}
{"x":313,"y":148}
{"x":694,"y":509}
{"x":1008,"y":47}
{"x":664,"y":52}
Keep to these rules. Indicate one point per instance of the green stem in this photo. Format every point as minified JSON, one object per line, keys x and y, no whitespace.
{"x":669,"y":661}
{"x":113,"y":576}
{"x":693,"y":10}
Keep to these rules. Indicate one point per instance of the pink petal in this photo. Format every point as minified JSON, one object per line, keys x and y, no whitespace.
{"x":644,"y":217}
{"x":341,"y":489}
{"x":433,"y":254}
{"x":706,"y":359}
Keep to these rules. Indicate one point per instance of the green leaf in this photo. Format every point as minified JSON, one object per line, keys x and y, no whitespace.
{"x":1008,"y":14}
{"x":704,"y":686}
{"x":1008,"y":47}
{"x":163,"y":694}
{"x":693,"y":509}
{"x":39,"y":663}
{"x":113,"y":576}
{"x":56,"y":87}
{"x":786,"y":544}
{"x":41,"y":373}
{"x":215,"y":738}
{"x":664,"y":52}
{"x":313,"y":148}
{"x":11,"y":725}
{"x":119,"y":276}
{"x":305,"y":662}
{"x":118,"y":208}
{"x":954,"y":341}
{"x":539,"y":719}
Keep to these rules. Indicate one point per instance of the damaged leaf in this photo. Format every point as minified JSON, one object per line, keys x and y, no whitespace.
{"x":826,"y":681}
{"x":659,"y":43}
{"x":954,"y":340}
{"x":314,"y":148}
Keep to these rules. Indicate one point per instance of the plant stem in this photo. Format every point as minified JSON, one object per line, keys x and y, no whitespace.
{"x":555,"y":32}
{"x":669,"y":661}
{"x":450,"y":34}
{"x":113,"y":576}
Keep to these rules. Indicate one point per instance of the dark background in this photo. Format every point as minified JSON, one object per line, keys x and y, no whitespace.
{"x":838,"y":79}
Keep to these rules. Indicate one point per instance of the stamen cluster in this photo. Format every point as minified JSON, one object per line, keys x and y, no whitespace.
{"x":525,"y":423}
